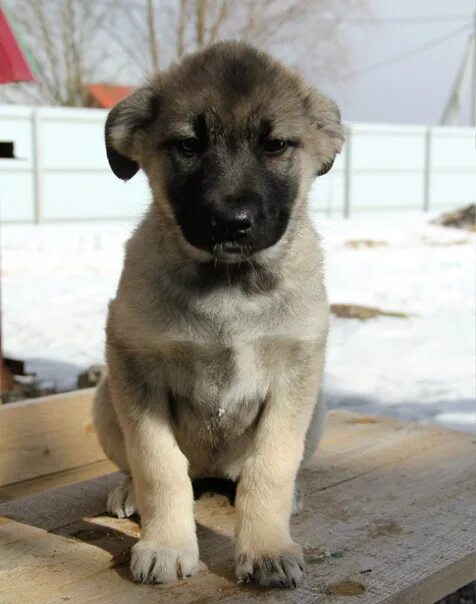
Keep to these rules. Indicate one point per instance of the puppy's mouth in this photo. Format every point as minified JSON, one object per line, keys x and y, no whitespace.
{"x":225,"y":245}
{"x":230,"y":251}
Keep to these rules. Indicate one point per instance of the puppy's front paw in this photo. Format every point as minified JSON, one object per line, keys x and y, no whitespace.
{"x":152,"y":563}
{"x":282,"y":568}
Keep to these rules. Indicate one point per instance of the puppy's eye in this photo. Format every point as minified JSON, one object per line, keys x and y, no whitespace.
{"x":274,"y":146}
{"x":189,"y":146}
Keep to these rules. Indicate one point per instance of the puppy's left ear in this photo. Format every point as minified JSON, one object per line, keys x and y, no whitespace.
{"x":122,"y":133}
{"x":328,"y":133}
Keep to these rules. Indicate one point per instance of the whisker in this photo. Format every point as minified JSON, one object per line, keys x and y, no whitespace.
{"x":257,"y":277}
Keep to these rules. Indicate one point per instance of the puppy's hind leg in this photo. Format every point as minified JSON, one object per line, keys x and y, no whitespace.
{"x":313,"y":437}
{"x":121,"y":500}
{"x":315,"y":430}
{"x":297,"y":502}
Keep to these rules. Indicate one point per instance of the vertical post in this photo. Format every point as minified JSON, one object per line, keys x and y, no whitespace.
{"x":473,"y":82}
{"x":348,"y":173}
{"x":427,"y":170}
{"x":37,"y":167}
{"x":6,"y":377}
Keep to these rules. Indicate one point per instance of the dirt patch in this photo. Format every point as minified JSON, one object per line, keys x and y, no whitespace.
{"x":364,"y":420}
{"x":385,"y":528}
{"x":91,"y":377}
{"x":347,"y":588}
{"x":464,"y":218}
{"x":364,"y":313}
{"x":364,"y":243}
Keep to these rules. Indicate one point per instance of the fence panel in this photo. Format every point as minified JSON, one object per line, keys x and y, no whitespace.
{"x":61,"y":171}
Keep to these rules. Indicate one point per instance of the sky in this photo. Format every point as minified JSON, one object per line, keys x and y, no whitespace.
{"x":427,"y":37}
{"x":416,"y":88}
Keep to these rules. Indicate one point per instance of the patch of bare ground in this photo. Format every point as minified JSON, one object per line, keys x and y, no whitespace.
{"x":364,"y":313}
{"x":364,"y":243}
{"x":463,"y":218}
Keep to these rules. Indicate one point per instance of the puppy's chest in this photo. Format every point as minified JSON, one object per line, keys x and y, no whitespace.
{"x":217,"y":389}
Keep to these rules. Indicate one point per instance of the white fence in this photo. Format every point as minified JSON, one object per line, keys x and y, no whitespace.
{"x":61,"y":172}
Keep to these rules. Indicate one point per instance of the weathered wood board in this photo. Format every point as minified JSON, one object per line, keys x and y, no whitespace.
{"x":389,"y":516}
{"x":44,"y":436}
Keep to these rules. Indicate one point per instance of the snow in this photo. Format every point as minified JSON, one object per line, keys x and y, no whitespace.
{"x":422,"y":367}
{"x":57,"y":280}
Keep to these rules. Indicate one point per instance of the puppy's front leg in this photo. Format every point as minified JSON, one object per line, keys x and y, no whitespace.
{"x":265,"y":551}
{"x":168,"y":547}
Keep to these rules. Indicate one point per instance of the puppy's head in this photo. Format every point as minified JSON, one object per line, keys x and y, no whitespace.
{"x":230,"y":141}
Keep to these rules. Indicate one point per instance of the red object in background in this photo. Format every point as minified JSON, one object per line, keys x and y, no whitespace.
{"x":13,"y":64}
{"x":14,"y":67}
{"x":106,"y":95}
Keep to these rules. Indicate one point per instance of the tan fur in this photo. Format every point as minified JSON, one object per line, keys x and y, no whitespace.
{"x":221,"y":382}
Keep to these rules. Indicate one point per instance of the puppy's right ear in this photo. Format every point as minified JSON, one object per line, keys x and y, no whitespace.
{"x":123,"y":124}
{"x":327,"y":129}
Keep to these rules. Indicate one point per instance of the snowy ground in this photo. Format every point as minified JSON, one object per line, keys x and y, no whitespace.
{"x":57,"y":279}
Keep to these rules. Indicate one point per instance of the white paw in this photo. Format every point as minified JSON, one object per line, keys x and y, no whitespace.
{"x":121,"y":500}
{"x":151,"y":563}
{"x":283,"y":568}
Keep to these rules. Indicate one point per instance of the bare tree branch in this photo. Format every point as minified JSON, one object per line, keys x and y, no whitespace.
{"x":200,"y":21}
{"x":151,"y":29}
{"x":181,"y":26}
{"x":220,"y":19}
{"x":78,"y":41}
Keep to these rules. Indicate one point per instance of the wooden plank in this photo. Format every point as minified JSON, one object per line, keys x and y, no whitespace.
{"x":50,"y":441}
{"x":438,"y":584}
{"x":393,"y":502}
{"x":40,"y":484}
{"x":47,"y":435}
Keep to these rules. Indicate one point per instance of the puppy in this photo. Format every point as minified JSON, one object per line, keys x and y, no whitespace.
{"x":216,"y":337}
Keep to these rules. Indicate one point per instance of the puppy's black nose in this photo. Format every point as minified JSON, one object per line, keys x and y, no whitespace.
{"x":241,"y":222}
{"x":232,"y":223}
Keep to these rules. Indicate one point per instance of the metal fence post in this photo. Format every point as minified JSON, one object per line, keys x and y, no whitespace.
{"x":428,"y":169}
{"x":37,"y":167}
{"x":348,"y":173}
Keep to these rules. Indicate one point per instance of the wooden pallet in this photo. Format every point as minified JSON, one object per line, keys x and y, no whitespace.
{"x":389,"y":516}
